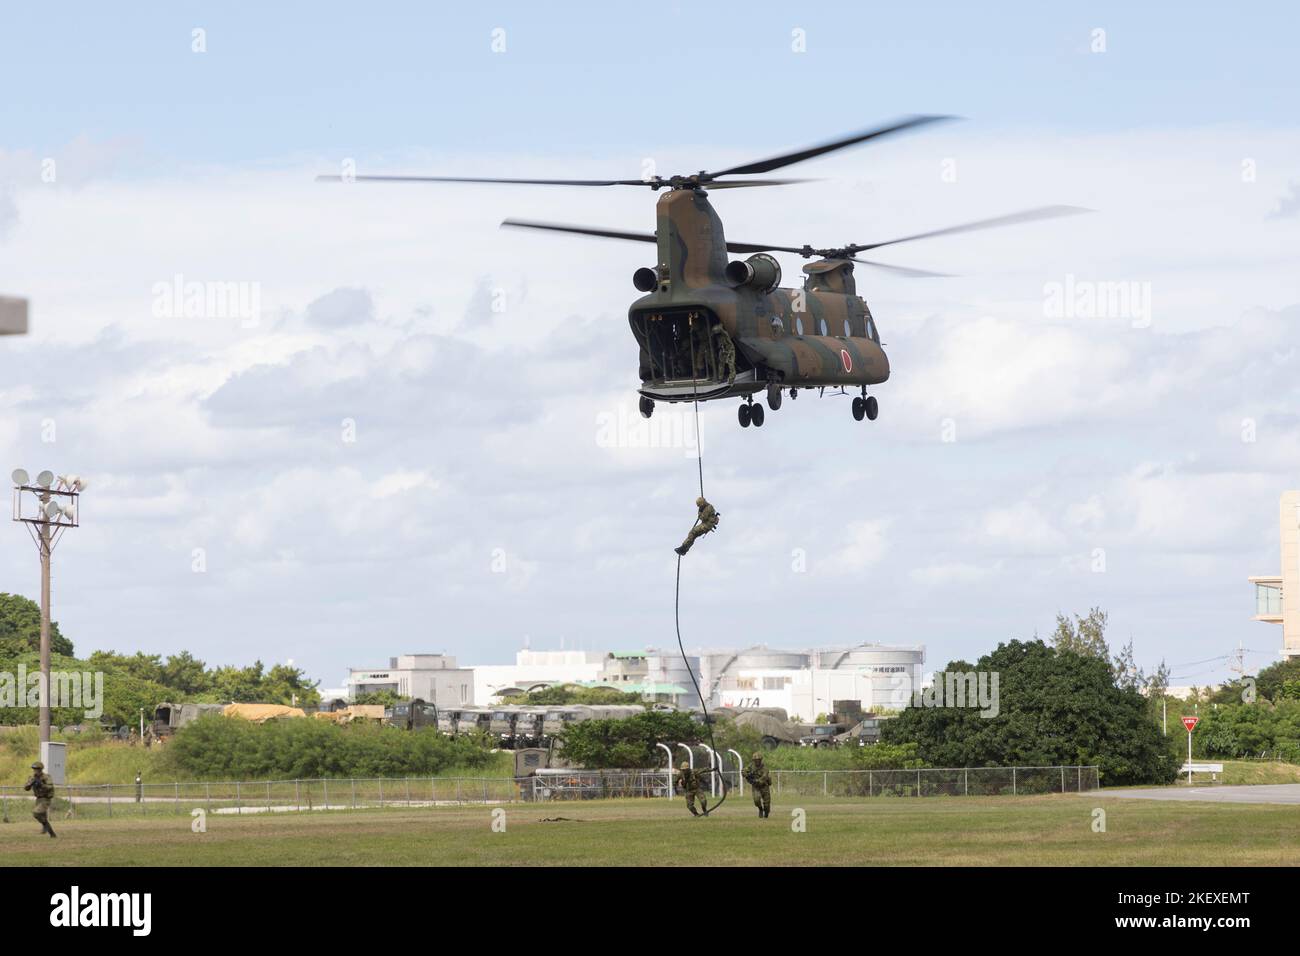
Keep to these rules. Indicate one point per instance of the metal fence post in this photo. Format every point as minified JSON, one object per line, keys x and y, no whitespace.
{"x":297,"y":795}
{"x":268,"y":796}
{"x":825,"y":777}
{"x":207,"y":797}
{"x":918,"y":783}
{"x":326,"y":784}
{"x":176,"y":800}
{"x":1013,"y":781}
{"x":408,"y":791}
{"x":1062,"y":779}
{"x":354,"y":792}
{"x":239,"y":806}
{"x":458,"y":789}
{"x":965,"y":785}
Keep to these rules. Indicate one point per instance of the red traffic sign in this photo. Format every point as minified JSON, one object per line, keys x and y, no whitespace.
{"x":1190,"y":723}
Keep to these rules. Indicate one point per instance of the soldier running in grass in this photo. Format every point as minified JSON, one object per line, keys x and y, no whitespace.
{"x":42,"y":787}
{"x":760,"y":782}
{"x":692,"y":785}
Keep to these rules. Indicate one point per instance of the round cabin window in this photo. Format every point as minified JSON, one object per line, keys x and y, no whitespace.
{"x":848,"y":329}
{"x":821,"y":326}
{"x":798,"y":326}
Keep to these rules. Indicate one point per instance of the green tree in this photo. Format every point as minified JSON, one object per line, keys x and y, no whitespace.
{"x":20,"y":628}
{"x":1054,"y":707}
{"x":562,"y":694}
{"x":1270,"y":680}
{"x":1085,"y":635}
{"x":630,"y":742}
{"x":187,"y":674}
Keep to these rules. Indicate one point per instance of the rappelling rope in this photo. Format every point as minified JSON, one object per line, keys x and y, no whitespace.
{"x":677,"y":597}
{"x":708,"y":725}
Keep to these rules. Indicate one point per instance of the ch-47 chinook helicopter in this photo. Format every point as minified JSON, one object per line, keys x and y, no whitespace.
{"x":822,"y":335}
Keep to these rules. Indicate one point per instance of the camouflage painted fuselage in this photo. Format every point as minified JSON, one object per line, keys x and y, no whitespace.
{"x":820,"y":335}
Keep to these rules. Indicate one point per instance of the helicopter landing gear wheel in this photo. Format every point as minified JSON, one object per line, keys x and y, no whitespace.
{"x":756,"y":415}
{"x":859,"y":408}
{"x":774,"y":397}
{"x":742,"y":413}
{"x":647,"y":406}
{"x":872,"y":408}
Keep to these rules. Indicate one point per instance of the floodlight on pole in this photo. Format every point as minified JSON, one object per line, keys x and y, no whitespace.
{"x":47,"y":512}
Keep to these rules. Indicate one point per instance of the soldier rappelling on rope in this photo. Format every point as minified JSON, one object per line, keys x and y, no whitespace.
{"x":705,"y":521}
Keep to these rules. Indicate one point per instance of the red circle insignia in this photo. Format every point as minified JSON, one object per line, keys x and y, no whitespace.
{"x":846,"y":359}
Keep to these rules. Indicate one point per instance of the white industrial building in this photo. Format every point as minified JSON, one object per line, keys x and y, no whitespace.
{"x":533,"y":670}
{"x":808,"y":683}
{"x":803,"y":683}
{"x":431,"y":677}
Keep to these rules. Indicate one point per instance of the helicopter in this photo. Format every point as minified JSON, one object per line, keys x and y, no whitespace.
{"x":820,"y":336}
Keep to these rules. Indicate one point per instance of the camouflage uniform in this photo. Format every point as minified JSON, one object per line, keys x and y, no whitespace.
{"x":760,"y":782}
{"x":705,"y":522}
{"x":42,"y":787}
{"x":692,"y":784}
{"x":726,"y":354}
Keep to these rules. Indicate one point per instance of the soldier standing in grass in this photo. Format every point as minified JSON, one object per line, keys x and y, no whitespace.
{"x":760,"y":782}
{"x":692,"y":784}
{"x":42,"y":787}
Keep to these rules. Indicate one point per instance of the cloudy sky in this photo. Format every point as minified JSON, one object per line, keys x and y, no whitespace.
{"x":412,"y":431}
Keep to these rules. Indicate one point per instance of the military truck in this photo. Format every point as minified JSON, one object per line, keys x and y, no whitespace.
{"x":501,"y":726}
{"x":866,"y":731}
{"x":473,"y":720}
{"x":823,"y":735}
{"x":558,"y":718}
{"x":412,"y":715}
{"x":169,"y":718}
{"x":528,"y":727}
{"x":447,"y":721}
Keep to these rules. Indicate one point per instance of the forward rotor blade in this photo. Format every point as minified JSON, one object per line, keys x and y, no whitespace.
{"x":1029,"y":215}
{"x":580,"y":230}
{"x":470,"y":179}
{"x":754,"y":247}
{"x":742,"y":183}
{"x":904,"y":271}
{"x":787,"y":159}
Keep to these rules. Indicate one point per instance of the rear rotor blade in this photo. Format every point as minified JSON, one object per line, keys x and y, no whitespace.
{"x":580,"y":230}
{"x":471,"y":179}
{"x":1029,"y":215}
{"x":903,"y":270}
{"x":787,"y":159}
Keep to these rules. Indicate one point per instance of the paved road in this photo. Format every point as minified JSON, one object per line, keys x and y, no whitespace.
{"x":1256,"y":793}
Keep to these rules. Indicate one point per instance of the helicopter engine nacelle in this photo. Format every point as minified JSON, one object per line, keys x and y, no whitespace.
{"x":760,"y":271}
{"x":645,"y":280}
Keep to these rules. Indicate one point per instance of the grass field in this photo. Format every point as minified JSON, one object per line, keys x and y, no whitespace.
{"x":890,"y":831}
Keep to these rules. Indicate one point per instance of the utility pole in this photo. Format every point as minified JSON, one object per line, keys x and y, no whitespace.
{"x":56,"y":508}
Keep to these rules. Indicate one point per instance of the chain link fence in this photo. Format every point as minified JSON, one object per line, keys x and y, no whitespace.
{"x":279,"y":796}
